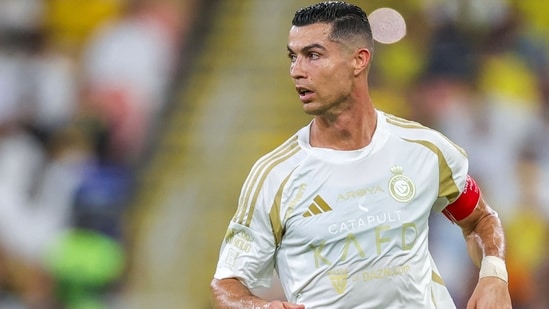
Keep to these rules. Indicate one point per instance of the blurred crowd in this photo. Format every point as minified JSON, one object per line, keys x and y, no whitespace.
{"x":81,"y":86}
{"x":479,"y":72}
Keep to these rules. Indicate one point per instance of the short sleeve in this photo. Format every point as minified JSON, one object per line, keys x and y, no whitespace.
{"x":246,"y":254}
{"x":249,"y":246}
{"x":453,"y":171}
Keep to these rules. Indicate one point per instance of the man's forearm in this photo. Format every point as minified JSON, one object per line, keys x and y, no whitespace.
{"x":484,"y":234}
{"x":231,"y":293}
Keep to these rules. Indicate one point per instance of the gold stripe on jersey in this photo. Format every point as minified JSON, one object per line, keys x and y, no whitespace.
{"x":257,"y":177}
{"x":447,"y":187}
{"x":252,"y":178}
{"x":437,"y":278}
{"x":405,"y":123}
{"x":274,"y":214}
{"x":272,"y":165}
{"x":408,"y":124}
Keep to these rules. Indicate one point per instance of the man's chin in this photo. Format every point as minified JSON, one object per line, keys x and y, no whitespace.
{"x":309,"y":109}
{"x":311,"y":112}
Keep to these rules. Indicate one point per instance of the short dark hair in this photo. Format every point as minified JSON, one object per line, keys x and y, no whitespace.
{"x":347,"y":20}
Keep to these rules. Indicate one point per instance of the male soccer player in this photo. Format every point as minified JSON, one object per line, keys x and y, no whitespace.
{"x":340,"y":210}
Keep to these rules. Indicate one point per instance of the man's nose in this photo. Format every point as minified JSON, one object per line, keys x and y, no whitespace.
{"x":296,"y":69}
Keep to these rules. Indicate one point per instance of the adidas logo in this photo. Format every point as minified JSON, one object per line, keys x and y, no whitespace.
{"x":318,"y":206}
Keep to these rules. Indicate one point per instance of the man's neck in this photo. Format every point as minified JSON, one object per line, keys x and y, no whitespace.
{"x":351,"y":130}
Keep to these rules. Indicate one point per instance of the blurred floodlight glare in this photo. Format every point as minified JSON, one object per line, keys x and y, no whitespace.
{"x":388,"y":25}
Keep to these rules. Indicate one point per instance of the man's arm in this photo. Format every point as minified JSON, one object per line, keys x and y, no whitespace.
{"x":231,"y":293}
{"x":483,"y":233}
{"x":485,"y":239}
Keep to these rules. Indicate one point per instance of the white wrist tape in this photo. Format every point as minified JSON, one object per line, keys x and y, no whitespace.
{"x":493,"y":266}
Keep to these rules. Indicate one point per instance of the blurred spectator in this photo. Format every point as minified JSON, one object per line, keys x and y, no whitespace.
{"x":70,"y":23}
{"x":20,"y":16}
{"x":488,"y":97}
{"x":80,"y":83}
{"x":128,"y":65}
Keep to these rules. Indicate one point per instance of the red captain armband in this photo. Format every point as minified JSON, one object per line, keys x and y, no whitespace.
{"x":465,"y":203}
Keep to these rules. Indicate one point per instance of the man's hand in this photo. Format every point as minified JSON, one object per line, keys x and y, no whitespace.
{"x":490,"y":293}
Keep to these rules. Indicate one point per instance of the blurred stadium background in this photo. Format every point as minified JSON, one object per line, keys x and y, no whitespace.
{"x":128,"y":126}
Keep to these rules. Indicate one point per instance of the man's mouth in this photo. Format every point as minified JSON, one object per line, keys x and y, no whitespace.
{"x":304,"y":93}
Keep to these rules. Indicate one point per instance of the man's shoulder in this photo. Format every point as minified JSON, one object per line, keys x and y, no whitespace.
{"x":403,"y":123}
{"x":412,"y":131}
{"x":272,"y":168}
{"x":285,"y":155}
{"x":288,"y":145}
{"x":407,"y":128}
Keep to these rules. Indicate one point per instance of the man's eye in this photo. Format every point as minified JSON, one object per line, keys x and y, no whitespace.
{"x":314,"y":56}
{"x":292,"y":57}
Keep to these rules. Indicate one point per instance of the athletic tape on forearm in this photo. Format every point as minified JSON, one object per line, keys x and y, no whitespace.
{"x":493,"y":266}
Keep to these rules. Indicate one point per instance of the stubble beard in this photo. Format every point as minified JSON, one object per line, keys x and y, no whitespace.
{"x":329,"y":111}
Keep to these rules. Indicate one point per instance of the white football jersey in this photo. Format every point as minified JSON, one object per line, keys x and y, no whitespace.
{"x":347,"y":229}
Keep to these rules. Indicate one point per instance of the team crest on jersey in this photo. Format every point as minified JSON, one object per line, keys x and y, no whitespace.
{"x":401,"y":186}
{"x":339,"y":279}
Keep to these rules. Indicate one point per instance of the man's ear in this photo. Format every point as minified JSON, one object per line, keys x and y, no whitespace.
{"x":362,"y":60}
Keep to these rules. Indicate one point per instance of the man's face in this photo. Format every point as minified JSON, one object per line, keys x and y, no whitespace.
{"x":321,"y":69}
